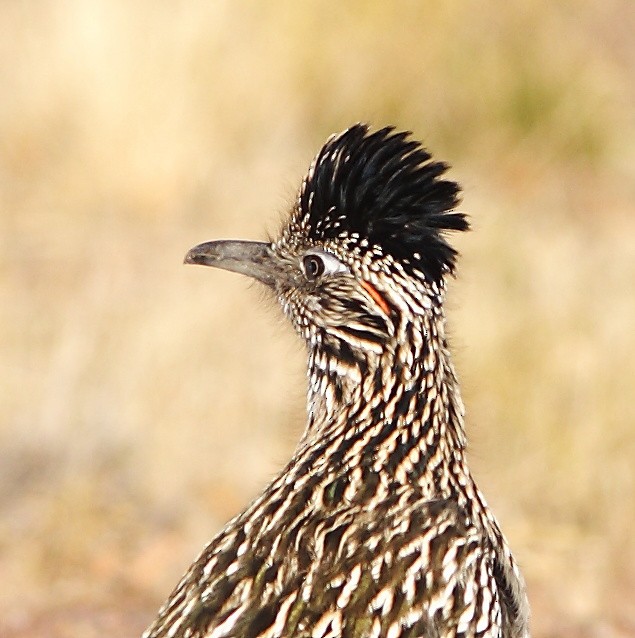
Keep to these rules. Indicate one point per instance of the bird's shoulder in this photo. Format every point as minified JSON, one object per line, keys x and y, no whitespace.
{"x":345,"y":571}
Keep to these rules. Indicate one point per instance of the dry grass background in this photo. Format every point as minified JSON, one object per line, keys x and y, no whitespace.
{"x":142,"y":403}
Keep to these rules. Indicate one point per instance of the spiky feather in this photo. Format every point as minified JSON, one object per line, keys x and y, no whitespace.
{"x":385,"y":188}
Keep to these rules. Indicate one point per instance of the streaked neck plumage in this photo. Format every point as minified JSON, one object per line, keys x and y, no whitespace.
{"x":393,"y":403}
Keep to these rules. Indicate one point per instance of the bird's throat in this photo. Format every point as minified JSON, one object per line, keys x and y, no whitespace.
{"x":406,"y":396}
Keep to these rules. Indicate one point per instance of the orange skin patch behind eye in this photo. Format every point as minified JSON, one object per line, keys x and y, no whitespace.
{"x":377,"y":298}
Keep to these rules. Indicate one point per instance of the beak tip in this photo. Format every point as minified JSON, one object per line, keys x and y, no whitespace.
{"x":197,"y":255}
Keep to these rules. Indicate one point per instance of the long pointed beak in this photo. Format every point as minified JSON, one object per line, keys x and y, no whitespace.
{"x":252,"y":258}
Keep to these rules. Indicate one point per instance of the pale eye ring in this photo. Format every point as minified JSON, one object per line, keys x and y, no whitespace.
{"x":316,"y":263}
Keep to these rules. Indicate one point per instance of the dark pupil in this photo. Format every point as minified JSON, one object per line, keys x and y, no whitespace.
{"x":313,"y":266}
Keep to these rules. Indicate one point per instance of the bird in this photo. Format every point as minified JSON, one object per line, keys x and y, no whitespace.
{"x":375,"y":528}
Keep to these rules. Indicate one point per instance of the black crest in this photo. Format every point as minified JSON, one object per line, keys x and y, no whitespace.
{"x":386,"y":189}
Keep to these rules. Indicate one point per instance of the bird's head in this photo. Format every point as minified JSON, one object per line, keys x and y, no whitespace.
{"x":364,"y":250}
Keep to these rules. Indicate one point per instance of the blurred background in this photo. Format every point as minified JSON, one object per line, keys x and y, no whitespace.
{"x":143,"y":403}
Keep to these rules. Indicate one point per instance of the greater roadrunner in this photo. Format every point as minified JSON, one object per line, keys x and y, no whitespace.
{"x":375,"y":528}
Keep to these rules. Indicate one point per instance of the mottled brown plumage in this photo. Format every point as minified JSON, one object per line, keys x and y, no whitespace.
{"x":375,"y":528}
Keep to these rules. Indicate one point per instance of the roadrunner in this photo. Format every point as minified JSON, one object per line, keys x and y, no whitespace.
{"x":376,"y":527}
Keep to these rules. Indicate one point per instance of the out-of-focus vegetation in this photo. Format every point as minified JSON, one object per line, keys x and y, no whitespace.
{"x":142,"y":403}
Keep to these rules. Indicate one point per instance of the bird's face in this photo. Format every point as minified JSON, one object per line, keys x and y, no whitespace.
{"x":329,"y":298}
{"x":326,"y":292}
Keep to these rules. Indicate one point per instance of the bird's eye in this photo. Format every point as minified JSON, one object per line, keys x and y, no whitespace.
{"x":313,"y":266}
{"x":319,"y":262}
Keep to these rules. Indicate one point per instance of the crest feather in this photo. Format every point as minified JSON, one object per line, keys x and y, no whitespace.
{"x":385,"y":188}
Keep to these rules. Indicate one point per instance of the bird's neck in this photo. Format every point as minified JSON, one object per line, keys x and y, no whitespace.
{"x":399,"y":405}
